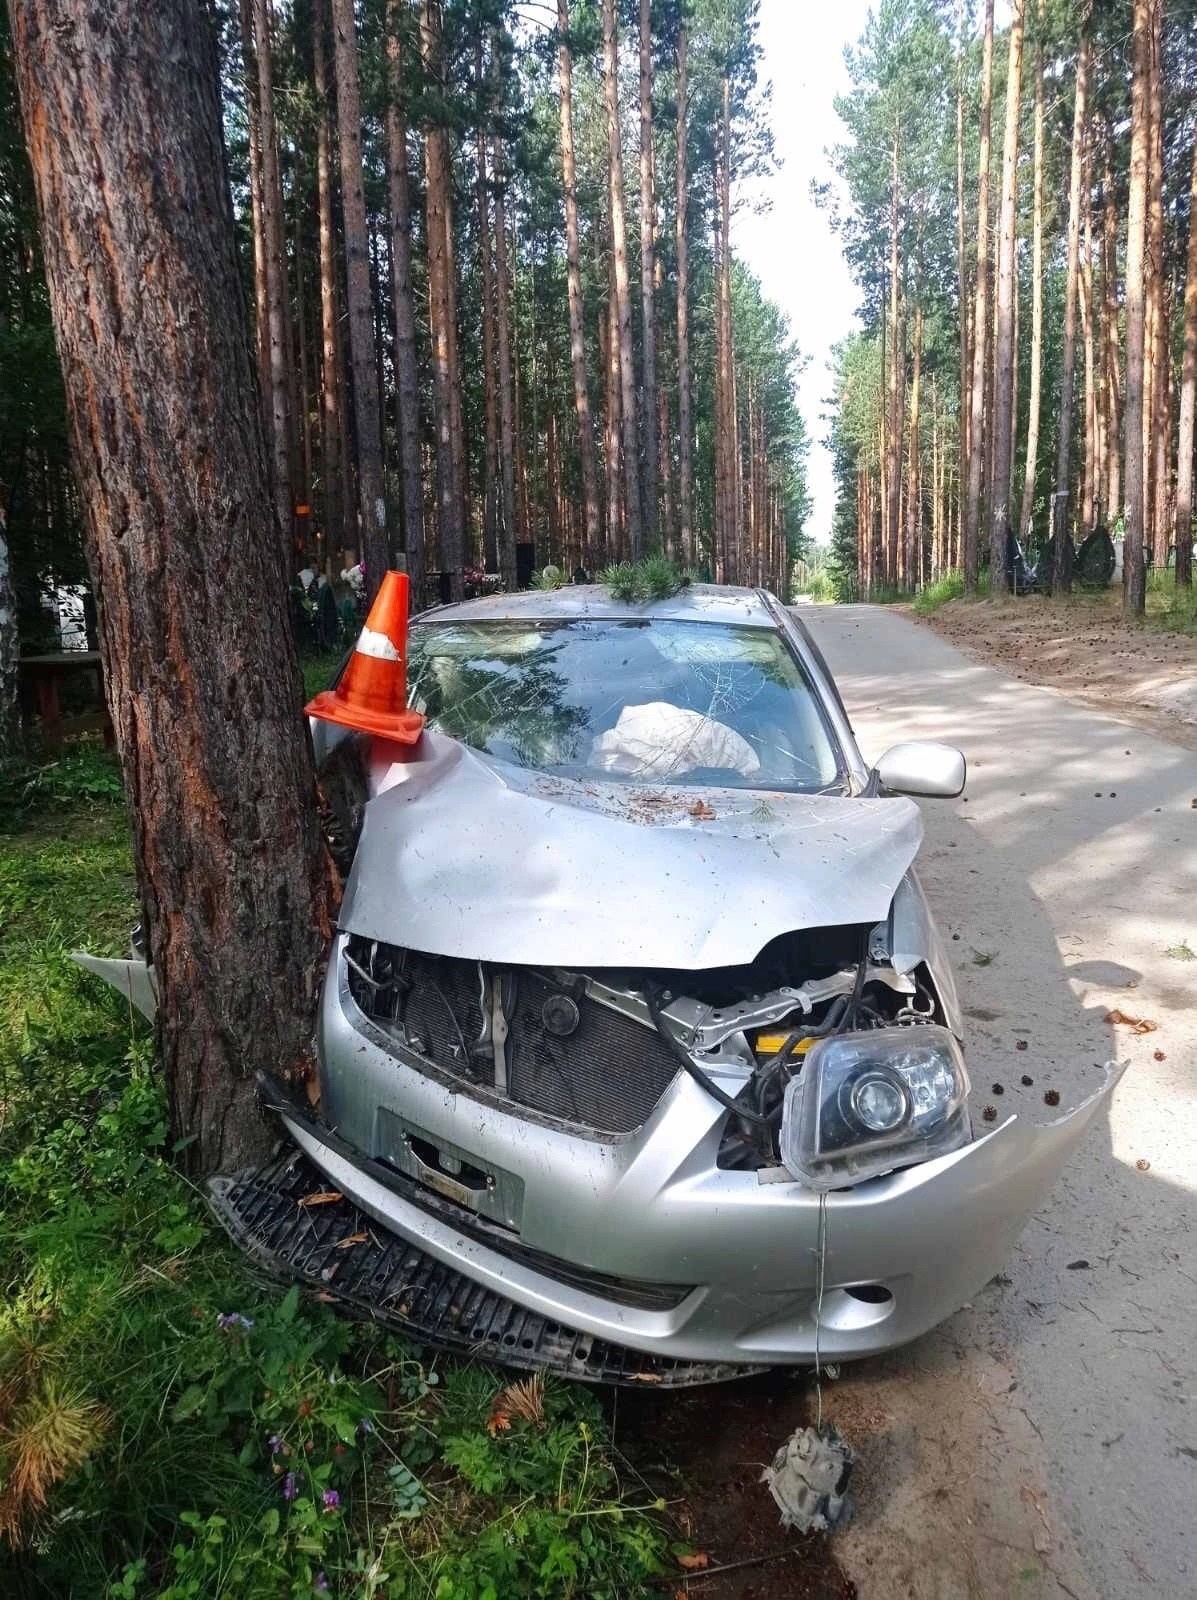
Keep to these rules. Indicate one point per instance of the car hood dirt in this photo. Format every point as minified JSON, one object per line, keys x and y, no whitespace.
{"x":462,"y":855}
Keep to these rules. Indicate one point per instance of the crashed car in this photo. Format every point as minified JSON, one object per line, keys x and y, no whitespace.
{"x":640,"y":1054}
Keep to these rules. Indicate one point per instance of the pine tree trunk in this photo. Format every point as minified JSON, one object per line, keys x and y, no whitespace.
{"x":613,"y":451}
{"x":123,"y":122}
{"x":962,"y":295}
{"x":253,"y":122}
{"x":648,"y":324}
{"x":573,"y":268}
{"x":449,"y":492}
{"x":1183,"y":521}
{"x":914,"y":496}
{"x":1089,"y":475}
{"x":373,"y":538}
{"x":623,"y":293}
{"x":685,"y":425}
{"x":1158,"y":365}
{"x":1062,"y":548}
{"x":1133,"y":576}
{"x":1026,"y":512}
{"x":1110,"y":343}
{"x":1005,"y":346}
{"x":490,"y":394}
{"x":407,"y":376}
{"x":332,"y":417}
{"x":980,"y":336}
{"x":897,"y":379}
{"x":507,"y":432}
{"x":730,"y":536}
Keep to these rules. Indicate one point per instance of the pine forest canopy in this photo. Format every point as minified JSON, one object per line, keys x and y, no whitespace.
{"x":1019,"y":216}
{"x":498,"y":322}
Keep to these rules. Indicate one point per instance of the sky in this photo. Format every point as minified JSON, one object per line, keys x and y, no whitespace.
{"x":790,"y":246}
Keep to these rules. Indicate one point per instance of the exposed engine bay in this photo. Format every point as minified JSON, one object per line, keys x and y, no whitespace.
{"x":596,"y":1051}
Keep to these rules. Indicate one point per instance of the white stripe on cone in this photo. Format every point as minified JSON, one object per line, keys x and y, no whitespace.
{"x":377,"y":645}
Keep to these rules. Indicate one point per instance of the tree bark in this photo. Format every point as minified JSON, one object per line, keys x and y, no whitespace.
{"x":1061,"y":547}
{"x":1134,"y":591}
{"x":373,"y":538}
{"x":897,"y":377}
{"x":253,"y":123}
{"x":123,"y":122}
{"x":1035,"y":398}
{"x":490,"y":394}
{"x":1183,"y":519}
{"x":914,"y":495}
{"x":332,"y":413}
{"x":1111,"y":344}
{"x":1158,"y":355}
{"x":449,"y":489}
{"x":407,"y":376}
{"x":685,"y":424}
{"x":1085,"y":286}
{"x":980,"y":336}
{"x":1006,"y":353}
{"x":573,"y":268}
{"x":623,"y":297}
{"x":962,"y":296}
{"x":648,"y":326}
{"x":507,"y":430}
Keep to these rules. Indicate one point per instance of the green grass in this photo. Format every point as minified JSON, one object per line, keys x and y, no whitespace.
{"x":1171,"y":609}
{"x":318,"y":671}
{"x":145,"y":1448}
{"x":933,"y":595}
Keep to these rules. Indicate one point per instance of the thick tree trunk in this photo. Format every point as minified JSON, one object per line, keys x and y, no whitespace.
{"x":407,"y":376}
{"x":1006,"y":351}
{"x":1062,"y":550}
{"x":1183,"y":520}
{"x":374,"y":541}
{"x":726,"y":464}
{"x":613,"y":443}
{"x":623,"y":293}
{"x":332,"y":407}
{"x":648,"y":324}
{"x":1157,"y":383}
{"x":685,"y":424}
{"x":123,"y":122}
{"x":976,"y":424}
{"x":1085,"y":286}
{"x":1035,"y":398}
{"x":1134,"y":591}
{"x":573,"y":268}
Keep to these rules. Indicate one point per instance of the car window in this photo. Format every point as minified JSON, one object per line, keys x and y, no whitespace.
{"x":636,"y":700}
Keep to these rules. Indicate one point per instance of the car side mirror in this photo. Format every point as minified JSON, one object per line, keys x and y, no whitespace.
{"x":920,"y":767}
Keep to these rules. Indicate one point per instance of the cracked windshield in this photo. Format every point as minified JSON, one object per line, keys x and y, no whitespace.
{"x":698,"y":703}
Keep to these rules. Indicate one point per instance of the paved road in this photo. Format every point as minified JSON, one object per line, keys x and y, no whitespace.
{"x":1044,"y":1442}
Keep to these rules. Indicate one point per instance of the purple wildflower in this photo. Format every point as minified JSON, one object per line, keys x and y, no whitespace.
{"x":275,"y":1442}
{"x":228,"y":1321}
{"x":321,"y":1583}
{"x":290,"y":1486}
{"x":332,"y":1500}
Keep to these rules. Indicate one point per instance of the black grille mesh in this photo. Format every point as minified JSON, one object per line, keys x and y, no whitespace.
{"x":607,"y":1075}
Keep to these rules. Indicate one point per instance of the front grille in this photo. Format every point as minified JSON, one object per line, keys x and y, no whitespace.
{"x":344,"y":1256}
{"x":607,"y":1075}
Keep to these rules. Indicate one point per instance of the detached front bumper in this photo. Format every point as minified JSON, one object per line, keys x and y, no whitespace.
{"x":645,"y":1243}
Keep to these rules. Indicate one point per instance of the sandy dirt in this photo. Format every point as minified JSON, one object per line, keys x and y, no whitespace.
{"x":1082,"y":648}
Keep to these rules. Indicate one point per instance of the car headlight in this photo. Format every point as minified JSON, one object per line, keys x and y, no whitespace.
{"x":868,"y":1103}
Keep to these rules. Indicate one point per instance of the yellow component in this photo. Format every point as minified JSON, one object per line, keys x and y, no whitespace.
{"x":768,"y":1044}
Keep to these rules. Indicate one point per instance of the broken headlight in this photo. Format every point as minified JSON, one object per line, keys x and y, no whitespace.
{"x":867,"y":1103}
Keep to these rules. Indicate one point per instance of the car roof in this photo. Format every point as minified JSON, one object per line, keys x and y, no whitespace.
{"x":697,"y":602}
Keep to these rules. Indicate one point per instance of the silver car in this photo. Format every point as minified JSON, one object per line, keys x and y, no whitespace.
{"x":640,"y":1054}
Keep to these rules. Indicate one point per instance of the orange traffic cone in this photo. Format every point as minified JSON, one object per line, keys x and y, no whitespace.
{"x":372,"y":693}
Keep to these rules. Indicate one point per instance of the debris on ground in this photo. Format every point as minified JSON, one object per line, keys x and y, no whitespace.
{"x":809,"y":1479}
{"x":1120,"y":1019}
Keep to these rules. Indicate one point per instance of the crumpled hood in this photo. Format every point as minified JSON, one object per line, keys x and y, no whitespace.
{"x":462,"y":855}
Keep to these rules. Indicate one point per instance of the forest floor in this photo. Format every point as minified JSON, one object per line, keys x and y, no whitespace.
{"x":1082,"y":647}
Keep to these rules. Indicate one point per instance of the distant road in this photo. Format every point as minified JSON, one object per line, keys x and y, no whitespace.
{"x":1044,"y":1442}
